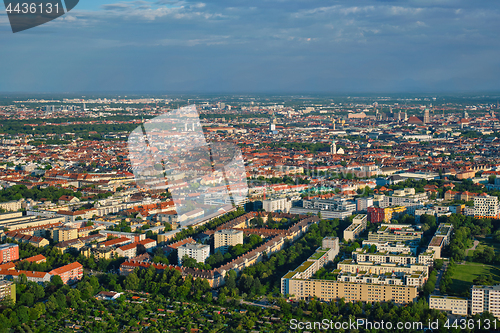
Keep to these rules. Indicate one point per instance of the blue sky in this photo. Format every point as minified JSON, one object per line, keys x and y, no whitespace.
{"x":240,"y":46}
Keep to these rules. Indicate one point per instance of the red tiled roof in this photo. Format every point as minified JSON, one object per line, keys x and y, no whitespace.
{"x":66,"y":268}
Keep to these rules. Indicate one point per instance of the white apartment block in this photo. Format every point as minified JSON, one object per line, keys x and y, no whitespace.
{"x":358,"y":226}
{"x":363,"y":203}
{"x":331,"y":242}
{"x":361,"y":255}
{"x":325,"y":214}
{"x":408,"y":247}
{"x":277,"y":205}
{"x":455,"y":305}
{"x":351,"y":266}
{"x":485,"y":298}
{"x":340,"y":204}
{"x":223,"y":239}
{"x":486,"y":205}
{"x":417,"y":279}
{"x":395,"y":233}
{"x":406,"y":197}
{"x":198,"y":252}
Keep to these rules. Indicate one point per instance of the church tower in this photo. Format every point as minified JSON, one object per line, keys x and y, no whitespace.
{"x":333,"y":148}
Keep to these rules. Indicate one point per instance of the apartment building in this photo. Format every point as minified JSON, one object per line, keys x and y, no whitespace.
{"x":30,"y":221}
{"x":32,"y":276}
{"x":130,"y":235}
{"x":69,"y":273}
{"x":393,"y":247}
{"x":454,"y":305}
{"x":340,"y":208}
{"x":64,"y":234}
{"x":351,"y":266}
{"x":416,"y":279}
{"x":199,"y":252}
{"x":331,"y":242}
{"x":378,"y":215}
{"x":323,"y":255}
{"x":84,"y":231}
{"x":130,"y":250}
{"x":225,"y":238}
{"x":331,"y":290}
{"x":441,"y":238}
{"x":403,"y":198}
{"x":362,"y":255}
{"x":6,"y":216}
{"x":22,"y":238}
{"x":485,"y":298}
{"x":486,"y":206}
{"x":357,"y":227}
{"x":277,"y":205}
{"x":362,"y":204}
{"x":10,"y":206}
{"x":375,"y":214}
{"x":7,"y":290}
{"x":395,"y":233}
{"x":8,"y":252}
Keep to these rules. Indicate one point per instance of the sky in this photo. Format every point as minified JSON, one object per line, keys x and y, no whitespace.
{"x":258,"y":46}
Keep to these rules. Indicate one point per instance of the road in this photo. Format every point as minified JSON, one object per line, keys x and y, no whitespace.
{"x":473,"y":248}
{"x":261,"y":304}
{"x":439,"y":276}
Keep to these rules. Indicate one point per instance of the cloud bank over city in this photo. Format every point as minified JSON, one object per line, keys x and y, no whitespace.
{"x":258,"y":46}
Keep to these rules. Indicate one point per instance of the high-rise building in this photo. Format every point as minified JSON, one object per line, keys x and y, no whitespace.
{"x":225,"y":238}
{"x":426,"y":116}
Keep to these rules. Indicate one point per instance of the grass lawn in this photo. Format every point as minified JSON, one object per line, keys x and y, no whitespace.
{"x":488,"y":242}
{"x":466,"y":273}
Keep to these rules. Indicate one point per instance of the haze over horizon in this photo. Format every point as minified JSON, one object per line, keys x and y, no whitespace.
{"x":258,"y":47}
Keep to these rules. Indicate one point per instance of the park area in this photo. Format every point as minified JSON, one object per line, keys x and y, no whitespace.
{"x":464,"y":275}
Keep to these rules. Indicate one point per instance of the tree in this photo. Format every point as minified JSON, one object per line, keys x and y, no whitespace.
{"x":231,"y":280}
{"x":131,"y":282}
{"x":56,"y":280}
{"x":27,"y":299}
{"x":430,"y":220}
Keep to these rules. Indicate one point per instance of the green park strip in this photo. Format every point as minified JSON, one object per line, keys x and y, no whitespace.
{"x":464,"y":274}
